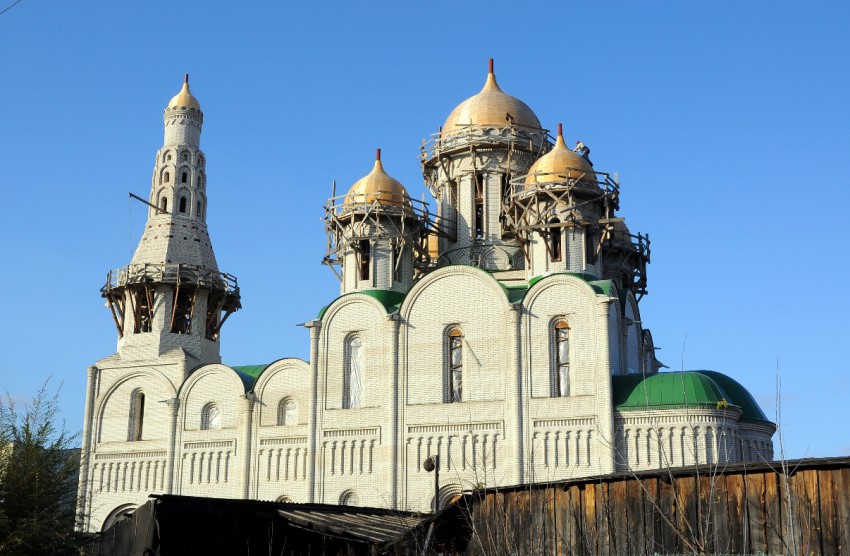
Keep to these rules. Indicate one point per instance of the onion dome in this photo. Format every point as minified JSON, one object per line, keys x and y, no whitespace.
{"x":559,"y":164}
{"x":377,"y":186}
{"x":490,"y":107}
{"x":184,"y":98}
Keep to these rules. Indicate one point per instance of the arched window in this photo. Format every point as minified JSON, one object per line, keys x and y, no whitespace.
{"x":183,"y":204}
{"x":561,"y":357}
{"x":454,"y":368}
{"x":210,"y":417}
{"x":555,"y":240}
{"x":185,"y":156}
{"x":353,"y":375}
{"x":198,"y":212}
{"x":184,"y":177}
{"x":287,"y":412}
{"x":348,"y":498}
{"x":163,"y":204}
{"x":137,"y":415}
{"x":478,"y":217}
{"x":284,"y":499}
{"x":167,"y":177}
{"x":168,"y":157}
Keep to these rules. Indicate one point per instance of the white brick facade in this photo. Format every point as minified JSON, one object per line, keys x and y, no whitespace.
{"x":358,"y":420}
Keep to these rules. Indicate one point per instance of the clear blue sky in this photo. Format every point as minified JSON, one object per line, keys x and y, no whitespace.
{"x":727,"y":122}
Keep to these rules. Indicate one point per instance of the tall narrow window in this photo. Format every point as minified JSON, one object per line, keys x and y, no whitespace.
{"x":555,"y":240}
{"x":141,"y":300}
{"x":198,"y":211}
{"x":184,"y":178}
{"x":182,"y":310}
{"x":287,"y":413}
{"x":450,"y":212}
{"x":353,"y":376}
{"x":365,"y":249}
{"x":561,"y":345}
{"x":183,"y":204}
{"x":454,"y":378}
{"x":137,"y":416}
{"x":210,"y":417}
{"x":163,"y":204}
{"x":479,"y":206}
{"x":397,"y":251}
{"x":167,"y":177}
{"x":589,"y":246}
{"x":505,"y":197}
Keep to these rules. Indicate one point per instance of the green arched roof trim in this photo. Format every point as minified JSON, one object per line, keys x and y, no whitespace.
{"x":683,"y":389}
{"x":249,"y":374}
{"x":390,"y":299}
{"x":586,"y":277}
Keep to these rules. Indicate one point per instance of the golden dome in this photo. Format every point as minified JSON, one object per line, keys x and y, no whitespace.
{"x":184,"y":97}
{"x":490,"y":107}
{"x":377,"y":186}
{"x":559,"y":164}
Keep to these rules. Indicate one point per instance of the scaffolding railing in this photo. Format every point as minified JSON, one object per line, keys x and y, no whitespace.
{"x":170,"y":273}
{"x":534,"y":140}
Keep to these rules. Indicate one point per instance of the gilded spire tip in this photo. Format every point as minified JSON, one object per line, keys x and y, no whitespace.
{"x":186,"y":78}
{"x":490,"y":63}
{"x":560,"y":129}
{"x":378,"y":154}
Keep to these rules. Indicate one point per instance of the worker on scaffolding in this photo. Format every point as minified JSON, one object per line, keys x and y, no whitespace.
{"x":583,"y":150}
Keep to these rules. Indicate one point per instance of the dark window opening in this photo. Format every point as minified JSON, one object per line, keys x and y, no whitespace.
{"x":555,"y":233}
{"x":198,"y":212}
{"x":182,"y":311}
{"x":184,"y":178}
{"x":479,"y":206}
{"x":142,"y":314}
{"x":182,"y":204}
{"x":450,"y":212}
{"x":589,"y":246}
{"x":185,"y":157}
{"x":365,"y":255}
{"x":163,"y":204}
{"x":398,"y":249}
{"x":167,"y":177}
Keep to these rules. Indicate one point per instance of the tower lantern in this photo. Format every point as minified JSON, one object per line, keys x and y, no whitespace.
{"x":487,"y":140}
{"x":172,"y":293}
{"x":376,"y":234}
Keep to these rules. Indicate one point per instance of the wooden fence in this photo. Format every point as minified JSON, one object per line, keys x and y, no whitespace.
{"x":753,"y":509}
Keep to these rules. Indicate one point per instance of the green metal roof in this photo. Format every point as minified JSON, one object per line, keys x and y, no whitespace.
{"x":390,"y":299}
{"x":683,"y":389}
{"x":249,"y":374}
{"x":741,"y":395}
{"x":515,"y":293}
{"x":586,"y":277}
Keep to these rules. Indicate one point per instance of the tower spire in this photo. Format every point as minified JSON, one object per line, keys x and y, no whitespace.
{"x":172,"y":289}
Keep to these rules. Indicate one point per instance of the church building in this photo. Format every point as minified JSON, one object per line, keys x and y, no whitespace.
{"x":494,"y":335}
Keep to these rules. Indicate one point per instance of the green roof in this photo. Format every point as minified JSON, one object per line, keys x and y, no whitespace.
{"x":390,"y":299}
{"x":249,"y":374}
{"x":515,"y":293}
{"x":683,"y":389}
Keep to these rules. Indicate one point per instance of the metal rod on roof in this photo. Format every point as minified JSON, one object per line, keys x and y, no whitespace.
{"x":148,"y":204}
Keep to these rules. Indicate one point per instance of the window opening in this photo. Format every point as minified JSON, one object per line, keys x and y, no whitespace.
{"x":287,"y":413}
{"x":479,"y":206}
{"x":348,"y":498}
{"x":210,"y":417}
{"x":562,"y":359}
{"x":198,"y":212}
{"x":365,"y":249}
{"x":185,"y":157}
{"x":352,"y":381}
{"x":168,"y":157}
{"x":455,"y":371}
{"x":137,"y":416}
{"x":184,"y":178}
{"x":555,"y":240}
{"x":182,"y":311}
{"x":397,"y":251}
{"x":505,"y":197}
{"x":167,"y":177}
{"x":589,"y":246}
{"x":163,"y":204}
{"x":451,"y":209}
{"x":142,"y":316}
{"x":183,"y":204}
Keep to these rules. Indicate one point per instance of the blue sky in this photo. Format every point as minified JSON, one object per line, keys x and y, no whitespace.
{"x":727,"y":122}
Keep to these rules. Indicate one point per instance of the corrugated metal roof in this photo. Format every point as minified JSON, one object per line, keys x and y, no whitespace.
{"x":380,"y":527}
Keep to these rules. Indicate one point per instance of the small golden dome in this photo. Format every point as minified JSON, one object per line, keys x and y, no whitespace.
{"x":184,"y":97}
{"x":377,"y":186}
{"x":559,"y":164}
{"x":490,"y":107}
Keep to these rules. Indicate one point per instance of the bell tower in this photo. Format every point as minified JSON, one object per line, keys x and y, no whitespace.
{"x":172,"y":294}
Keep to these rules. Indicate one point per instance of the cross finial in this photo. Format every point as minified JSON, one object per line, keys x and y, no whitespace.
{"x":491,"y":65}
{"x":378,"y":154}
{"x":560,"y":130}
{"x":186,"y":78}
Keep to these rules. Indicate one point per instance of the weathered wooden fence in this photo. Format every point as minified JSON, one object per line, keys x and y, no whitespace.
{"x":804,"y":509}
